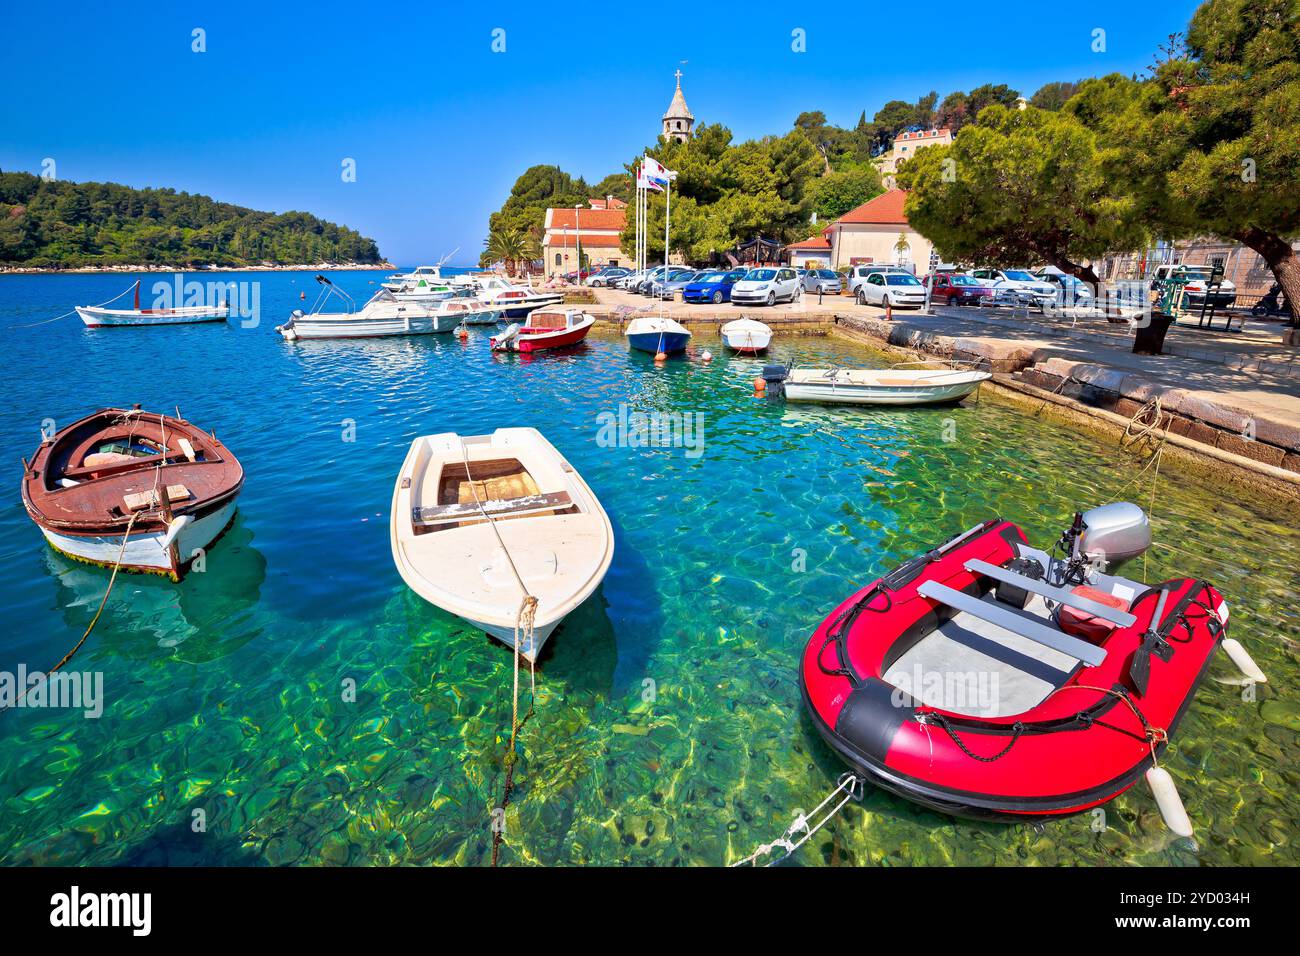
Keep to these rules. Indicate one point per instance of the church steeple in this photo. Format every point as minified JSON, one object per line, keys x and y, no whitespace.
{"x":678,"y":120}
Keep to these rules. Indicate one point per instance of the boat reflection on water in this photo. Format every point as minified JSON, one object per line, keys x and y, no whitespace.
{"x":203,"y":618}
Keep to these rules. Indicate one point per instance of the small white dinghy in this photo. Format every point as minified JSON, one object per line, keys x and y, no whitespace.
{"x":746,"y":335}
{"x":480,"y":522}
{"x":886,"y":386}
{"x":97,"y":317}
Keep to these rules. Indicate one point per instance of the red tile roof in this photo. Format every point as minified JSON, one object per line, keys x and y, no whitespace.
{"x":610,"y":203}
{"x":560,"y":241}
{"x":587,"y":218}
{"x":812,"y":242}
{"x":923,"y":134}
{"x":885,"y":209}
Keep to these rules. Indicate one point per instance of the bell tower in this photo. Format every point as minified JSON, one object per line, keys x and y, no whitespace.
{"x":678,"y":120}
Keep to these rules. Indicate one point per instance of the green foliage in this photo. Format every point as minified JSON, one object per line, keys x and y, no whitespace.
{"x":958,"y":108}
{"x":1021,"y":187}
{"x":1053,"y":96}
{"x":524,"y":210}
{"x":835,"y":194}
{"x":53,"y":224}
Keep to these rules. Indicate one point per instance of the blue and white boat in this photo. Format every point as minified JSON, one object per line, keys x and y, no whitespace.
{"x":657,"y":334}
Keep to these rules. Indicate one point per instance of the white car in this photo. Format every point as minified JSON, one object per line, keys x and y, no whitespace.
{"x":1012,"y":284}
{"x":892,"y":288}
{"x":1070,"y":290}
{"x":767,"y":286}
{"x":1198,"y":280}
{"x":858,"y":275}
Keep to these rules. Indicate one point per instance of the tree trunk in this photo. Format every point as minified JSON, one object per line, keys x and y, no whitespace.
{"x":1085,"y":273}
{"x":1281,"y":258}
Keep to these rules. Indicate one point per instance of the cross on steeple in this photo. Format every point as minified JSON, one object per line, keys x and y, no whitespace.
{"x":678,"y":74}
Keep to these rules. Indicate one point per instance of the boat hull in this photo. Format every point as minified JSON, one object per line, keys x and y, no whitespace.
{"x":655,"y":342}
{"x":148,"y":551}
{"x":108,"y":318}
{"x":842,"y":394}
{"x":354,"y":328}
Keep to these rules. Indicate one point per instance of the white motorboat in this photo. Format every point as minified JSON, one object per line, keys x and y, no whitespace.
{"x":888,"y":386}
{"x":515,"y":301}
{"x":384,"y":314}
{"x":481,"y":522}
{"x":746,"y":335}
{"x":97,"y":317}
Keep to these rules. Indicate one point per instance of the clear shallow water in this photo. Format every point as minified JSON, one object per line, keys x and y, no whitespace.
{"x":225,"y":693}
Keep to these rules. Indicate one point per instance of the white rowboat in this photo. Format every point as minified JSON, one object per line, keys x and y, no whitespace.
{"x":746,"y":335}
{"x":458,"y":500}
{"x":881,"y":386}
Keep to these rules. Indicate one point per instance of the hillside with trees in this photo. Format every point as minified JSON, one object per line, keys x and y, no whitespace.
{"x":53,"y":224}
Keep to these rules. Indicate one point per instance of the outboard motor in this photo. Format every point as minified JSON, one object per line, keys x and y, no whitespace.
{"x":1114,"y":533}
{"x":506,"y":339}
{"x":774,"y":376}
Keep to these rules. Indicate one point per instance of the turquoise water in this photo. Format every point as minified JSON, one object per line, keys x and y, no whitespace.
{"x":668,"y":728}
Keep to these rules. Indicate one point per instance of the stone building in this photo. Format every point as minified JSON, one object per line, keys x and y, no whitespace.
{"x":678,"y":121}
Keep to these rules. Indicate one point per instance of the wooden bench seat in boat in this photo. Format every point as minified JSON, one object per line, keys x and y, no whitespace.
{"x":512,"y":507}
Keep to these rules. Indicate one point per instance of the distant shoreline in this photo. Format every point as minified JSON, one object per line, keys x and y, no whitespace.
{"x":112,"y":270}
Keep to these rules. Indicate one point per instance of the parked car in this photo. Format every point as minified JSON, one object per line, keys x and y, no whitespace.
{"x":1070,"y":290}
{"x":577,"y":277}
{"x":891,"y":288}
{"x":654,"y":287}
{"x":625,"y":282}
{"x":1010,"y":285}
{"x":607,"y":276}
{"x":1198,"y":281}
{"x":858,"y":275}
{"x":826,"y":281}
{"x":768,"y":285}
{"x":957,"y":288}
{"x":675,"y":284}
{"x":712,"y":286}
{"x":649,"y":275}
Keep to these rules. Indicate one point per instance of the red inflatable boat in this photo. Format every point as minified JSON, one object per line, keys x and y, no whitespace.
{"x":989,"y":679}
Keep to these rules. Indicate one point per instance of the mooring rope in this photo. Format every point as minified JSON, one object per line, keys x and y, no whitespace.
{"x":524,"y":626}
{"x":850,"y":784}
{"x":117,"y":564}
{"x":32,"y":325}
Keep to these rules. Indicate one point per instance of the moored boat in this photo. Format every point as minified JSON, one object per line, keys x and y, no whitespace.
{"x":383,"y":315}
{"x":97,"y":317}
{"x":657,"y":334}
{"x":147,"y":489}
{"x":746,"y":335}
{"x":481,"y":522}
{"x":988,"y":678}
{"x":514,"y":301}
{"x":545,"y":329}
{"x":890,"y":386}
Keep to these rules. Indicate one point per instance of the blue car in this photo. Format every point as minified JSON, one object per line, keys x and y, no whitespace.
{"x":713,"y":287}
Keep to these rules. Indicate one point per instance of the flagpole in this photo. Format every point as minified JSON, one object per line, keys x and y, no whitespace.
{"x":668,"y":205}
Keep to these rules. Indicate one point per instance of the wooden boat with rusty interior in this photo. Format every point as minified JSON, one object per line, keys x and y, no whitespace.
{"x":161,"y":483}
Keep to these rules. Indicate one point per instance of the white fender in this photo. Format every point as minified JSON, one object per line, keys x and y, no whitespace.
{"x":175,"y":528}
{"x":1245,"y":663}
{"x":1167,"y":799}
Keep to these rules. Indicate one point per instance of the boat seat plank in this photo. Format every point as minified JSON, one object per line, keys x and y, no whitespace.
{"x":432,"y":514}
{"x":1053,"y":593}
{"x":1015,"y":623}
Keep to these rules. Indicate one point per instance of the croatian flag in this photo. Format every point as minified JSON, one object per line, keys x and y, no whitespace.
{"x":656,"y":172}
{"x":645,"y":182}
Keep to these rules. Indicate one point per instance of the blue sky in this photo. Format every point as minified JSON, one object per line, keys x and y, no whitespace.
{"x":440,"y":126}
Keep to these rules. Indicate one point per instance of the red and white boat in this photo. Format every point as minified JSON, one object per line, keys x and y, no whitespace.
{"x":986,"y":678}
{"x":545,"y":329}
{"x":134,"y":489}
{"x":98,"y":317}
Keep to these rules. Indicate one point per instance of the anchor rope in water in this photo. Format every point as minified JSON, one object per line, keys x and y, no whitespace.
{"x":524,"y":622}
{"x":850,"y":784}
{"x":117,"y":564}
{"x":32,"y":325}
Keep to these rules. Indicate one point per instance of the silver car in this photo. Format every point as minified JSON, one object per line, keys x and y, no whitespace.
{"x":656,"y":287}
{"x":825,"y":281}
{"x":676,"y":283}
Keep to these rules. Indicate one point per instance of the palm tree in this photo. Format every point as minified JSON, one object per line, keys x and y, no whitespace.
{"x":511,"y":245}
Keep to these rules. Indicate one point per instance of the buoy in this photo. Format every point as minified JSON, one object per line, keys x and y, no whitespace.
{"x":760,"y":385}
{"x":302,"y":295}
{"x":660,"y":356}
{"x":1245,"y":663}
{"x":1167,"y":799}
{"x":706,"y":356}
